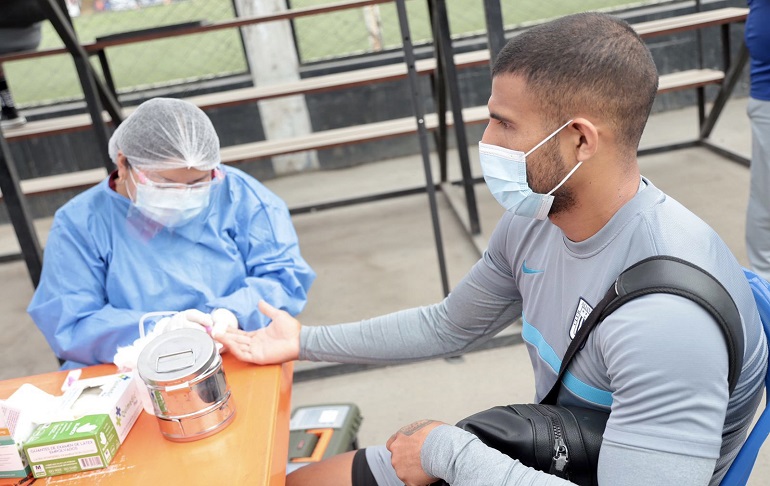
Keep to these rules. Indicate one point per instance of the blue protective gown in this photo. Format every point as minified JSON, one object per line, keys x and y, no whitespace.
{"x":103,"y":270}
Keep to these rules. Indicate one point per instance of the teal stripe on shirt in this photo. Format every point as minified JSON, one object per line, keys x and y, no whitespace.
{"x":531,"y":335}
{"x":583,"y":390}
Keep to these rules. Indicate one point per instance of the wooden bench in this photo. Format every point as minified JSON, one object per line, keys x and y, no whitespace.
{"x":249,"y":95}
{"x":698,"y":20}
{"x":327,"y":139}
{"x":697,"y":77}
{"x":687,"y":79}
{"x":187,"y":28}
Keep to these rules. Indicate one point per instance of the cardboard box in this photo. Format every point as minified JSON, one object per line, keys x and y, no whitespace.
{"x":72,"y":446}
{"x":13,"y":463}
{"x":114,"y":395}
{"x":95,"y":416}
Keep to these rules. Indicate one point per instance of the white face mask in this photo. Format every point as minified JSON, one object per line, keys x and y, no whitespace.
{"x":505,"y":172}
{"x":171,"y":205}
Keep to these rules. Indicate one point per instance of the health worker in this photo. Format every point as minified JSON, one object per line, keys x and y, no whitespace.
{"x":170,"y":230}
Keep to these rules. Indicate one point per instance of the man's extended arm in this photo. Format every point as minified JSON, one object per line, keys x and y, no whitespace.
{"x":463,"y":460}
{"x":470,"y":314}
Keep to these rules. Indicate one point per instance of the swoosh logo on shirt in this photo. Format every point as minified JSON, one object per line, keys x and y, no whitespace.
{"x":526,"y":269}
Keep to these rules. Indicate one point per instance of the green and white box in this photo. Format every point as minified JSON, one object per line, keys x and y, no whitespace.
{"x":13,"y":463}
{"x":115,"y":395}
{"x":72,"y":446}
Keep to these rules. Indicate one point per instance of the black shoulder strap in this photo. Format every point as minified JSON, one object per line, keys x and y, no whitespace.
{"x":670,"y":275}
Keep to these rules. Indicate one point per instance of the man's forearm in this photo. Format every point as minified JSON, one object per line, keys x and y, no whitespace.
{"x":468,"y":315}
{"x":461,"y":459}
{"x":394,"y":338}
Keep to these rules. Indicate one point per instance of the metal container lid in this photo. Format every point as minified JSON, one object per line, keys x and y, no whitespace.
{"x":176,"y":356}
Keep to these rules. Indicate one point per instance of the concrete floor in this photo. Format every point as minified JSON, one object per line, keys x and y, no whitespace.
{"x":380,"y":257}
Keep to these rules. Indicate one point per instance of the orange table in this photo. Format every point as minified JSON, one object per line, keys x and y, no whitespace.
{"x":251,"y":450}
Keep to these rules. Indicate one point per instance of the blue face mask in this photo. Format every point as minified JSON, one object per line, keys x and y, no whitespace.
{"x":505,"y":172}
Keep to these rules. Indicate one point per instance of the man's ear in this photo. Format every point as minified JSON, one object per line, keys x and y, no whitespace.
{"x":586,"y":138}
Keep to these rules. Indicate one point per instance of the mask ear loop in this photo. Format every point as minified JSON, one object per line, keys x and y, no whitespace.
{"x":565,"y":178}
{"x":131,"y":175}
{"x":548,"y":138}
{"x":142,"y":177}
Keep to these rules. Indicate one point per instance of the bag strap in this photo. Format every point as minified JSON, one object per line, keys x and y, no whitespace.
{"x":669,"y":275}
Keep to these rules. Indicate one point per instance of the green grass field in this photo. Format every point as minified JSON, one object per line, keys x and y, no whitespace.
{"x":153,"y":63}
{"x":168,"y":61}
{"x":318,"y":40}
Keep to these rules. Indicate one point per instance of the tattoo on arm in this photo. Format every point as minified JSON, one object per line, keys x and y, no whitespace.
{"x":414,"y":427}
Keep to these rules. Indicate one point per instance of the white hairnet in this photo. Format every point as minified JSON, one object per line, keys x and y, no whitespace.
{"x":166,"y":133}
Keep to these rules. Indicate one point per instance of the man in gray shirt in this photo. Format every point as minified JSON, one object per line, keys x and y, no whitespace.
{"x":569,"y":102}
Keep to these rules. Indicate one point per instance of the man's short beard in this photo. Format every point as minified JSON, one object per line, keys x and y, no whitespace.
{"x":564,"y":197}
{"x":563,"y":200}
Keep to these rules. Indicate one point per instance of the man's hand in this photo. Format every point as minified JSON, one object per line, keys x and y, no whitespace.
{"x":405,"y":446}
{"x":276,"y":343}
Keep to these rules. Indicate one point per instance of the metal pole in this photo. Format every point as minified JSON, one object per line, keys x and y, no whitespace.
{"x":91,"y":84}
{"x":110,"y":100}
{"x":19,"y":213}
{"x":423,"y":137}
{"x":493,"y":15}
{"x":726,"y":47}
{"x":439,"y":95}
{"x":450,"y":77}
{"x":107,"y":73}
{"x":700,"y":92}
{"x":728,"y":85}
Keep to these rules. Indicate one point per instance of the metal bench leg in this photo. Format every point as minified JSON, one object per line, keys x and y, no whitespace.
{"x":439,"y":96}
{"x":422,"y":131}
{"x":495,"y":30}
{"x":93,"y":88}
{"x":449,"y":76}
{"x":19,"y":213}
{"x":728,"y":85}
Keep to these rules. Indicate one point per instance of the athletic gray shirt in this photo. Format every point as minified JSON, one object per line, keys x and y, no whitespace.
{"x":659,"y":364}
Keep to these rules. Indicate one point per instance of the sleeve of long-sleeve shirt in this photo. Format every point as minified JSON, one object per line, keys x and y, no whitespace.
{"x":461,"y":459}
{"x":276,"y":271}
{"x":70,"y":304}
{"x":476,"y":310}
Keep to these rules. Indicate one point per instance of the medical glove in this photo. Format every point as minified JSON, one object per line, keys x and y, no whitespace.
{"x":223,"y":319}
{"x":188,"y":319}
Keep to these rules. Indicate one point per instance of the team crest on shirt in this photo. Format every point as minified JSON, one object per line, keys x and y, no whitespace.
{"x":581,"y":314}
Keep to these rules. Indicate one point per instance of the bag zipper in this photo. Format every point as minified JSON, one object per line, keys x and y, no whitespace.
{"x":560,"y":458}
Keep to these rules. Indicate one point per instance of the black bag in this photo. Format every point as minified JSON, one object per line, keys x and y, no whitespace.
{"x":20,"y":13}
{"x":565,"y":441}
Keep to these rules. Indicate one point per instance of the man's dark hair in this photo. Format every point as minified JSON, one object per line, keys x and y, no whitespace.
{"x":586,"y":63}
